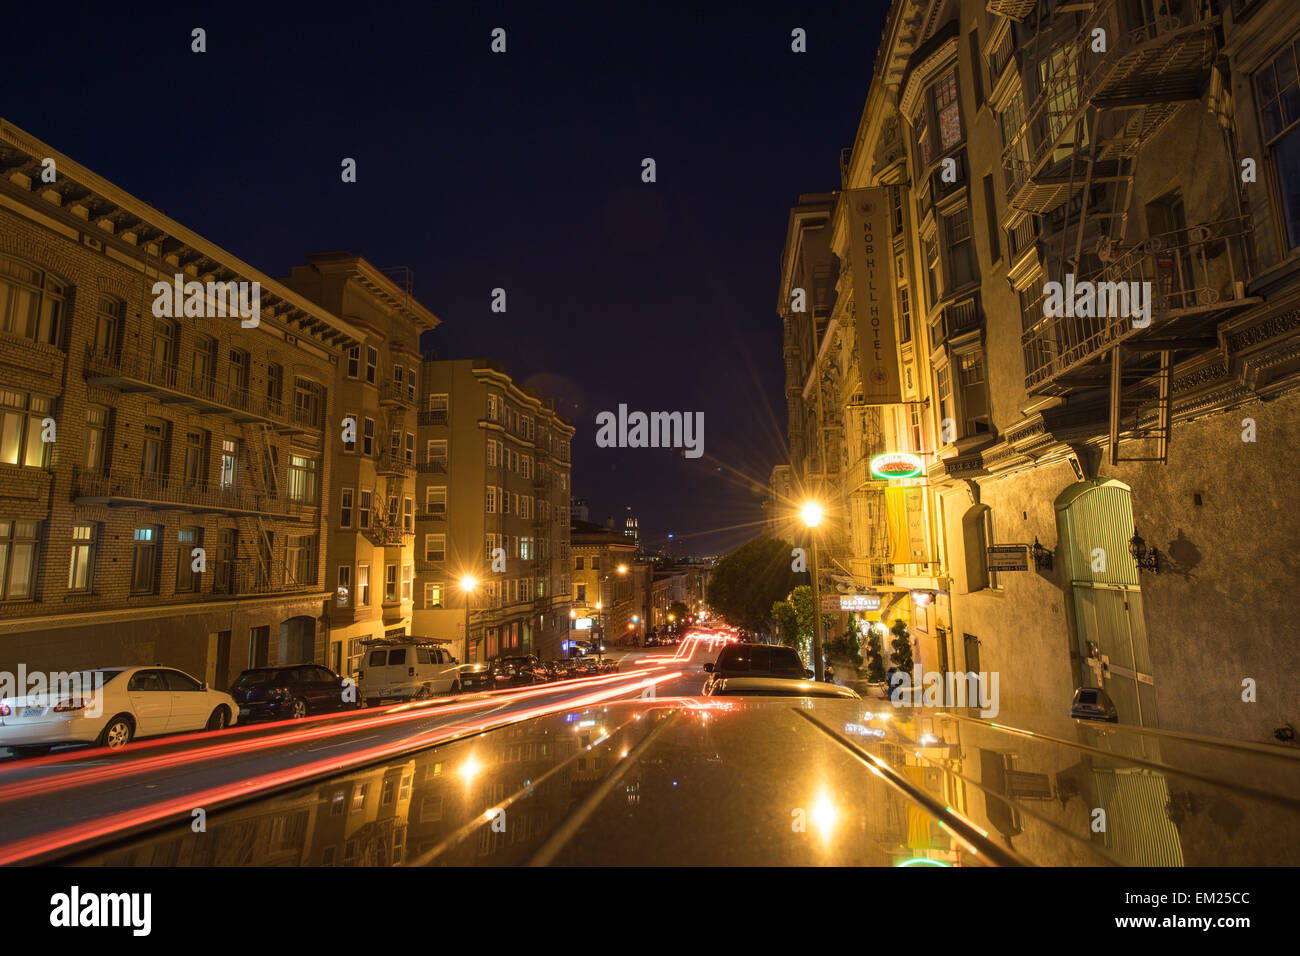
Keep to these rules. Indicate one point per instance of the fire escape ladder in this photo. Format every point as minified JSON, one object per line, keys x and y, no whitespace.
{"x":1140,"y":405}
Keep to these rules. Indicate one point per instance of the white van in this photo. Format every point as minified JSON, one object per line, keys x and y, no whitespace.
{"x":402,"y":668}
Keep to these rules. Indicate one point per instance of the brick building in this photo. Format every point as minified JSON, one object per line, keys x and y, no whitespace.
{"x":174,"y":514}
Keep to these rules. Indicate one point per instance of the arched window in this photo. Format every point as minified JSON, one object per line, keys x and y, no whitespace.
{"x":978,"y":534}
{"x":31,"y":302}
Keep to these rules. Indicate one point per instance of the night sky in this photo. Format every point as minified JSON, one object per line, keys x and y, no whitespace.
{"x":520,"y":171}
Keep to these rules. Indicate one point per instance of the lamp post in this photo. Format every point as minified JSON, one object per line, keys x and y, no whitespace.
{"x":467,"y":585}
{"x":600,"y":606}
{"x":812,"y":516}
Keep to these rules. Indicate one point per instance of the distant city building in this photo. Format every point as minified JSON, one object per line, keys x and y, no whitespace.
{"x":578,"y":510}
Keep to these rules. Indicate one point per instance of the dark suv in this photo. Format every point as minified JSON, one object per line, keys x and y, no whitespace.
{"x":756,"y":660}
{"x":279,"y":693}
{"x":517,"y":671}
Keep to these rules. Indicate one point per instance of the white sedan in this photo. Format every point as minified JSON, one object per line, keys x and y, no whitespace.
{"x":111,"y":706}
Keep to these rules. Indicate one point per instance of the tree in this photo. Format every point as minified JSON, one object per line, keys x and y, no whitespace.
{"x":786,"y":622}
{"x":847,"y":646}
{"x":875,"y":660}
{"x":678,"y":611}
{"x":901,"y":646}
{"x":746,"y":583}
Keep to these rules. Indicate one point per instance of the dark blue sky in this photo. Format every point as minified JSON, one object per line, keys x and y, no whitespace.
{"x":520,"y":171}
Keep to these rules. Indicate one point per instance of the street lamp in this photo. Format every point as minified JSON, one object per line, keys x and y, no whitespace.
{"x":812,"y":516}
{"x":467,"y":584}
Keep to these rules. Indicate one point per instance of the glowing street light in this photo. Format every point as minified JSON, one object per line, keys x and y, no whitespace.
{"x":812,"y":514}
{"x":467,"y":585}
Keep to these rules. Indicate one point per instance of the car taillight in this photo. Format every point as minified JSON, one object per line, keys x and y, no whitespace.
{"x":71,"y":703}
{"x":5,"y":709}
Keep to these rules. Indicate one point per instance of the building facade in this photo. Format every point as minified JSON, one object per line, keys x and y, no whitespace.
{"x":371,"y":553}
{"x":605,"y":588}
{"x":492,"y":523}
{"x":1100,"y":471}
{"x":164,"y":476}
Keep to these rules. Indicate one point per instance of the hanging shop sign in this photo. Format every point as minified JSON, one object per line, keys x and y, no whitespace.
{"x":896,"y":464}
{"x":859,"y":602}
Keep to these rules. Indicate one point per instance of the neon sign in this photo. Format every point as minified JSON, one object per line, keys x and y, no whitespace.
{"x":896,"y":464}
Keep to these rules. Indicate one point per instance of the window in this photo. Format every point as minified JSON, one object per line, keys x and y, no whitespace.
{"x":407,"y":578}
{"x":95,"y":456}
{"x":435,"y":547}
{"x":904,"y":315}
{"x":526,"y":548}
{"x":343,"y":596}
{"x":436,"y":450}
{"x":432,"y":594}
{"x":582,"y":592}
{"x":21,"y":428}
{"x":493,"y":408}
{"x":947,"y":112}
{"x":31,"y":302}
{"x":363,"y":585}
{"x":300,"y":559}
{"x":227,"y":548}
{"x":364,"y":510}
{"x":83,"y":557}
{"x":196,"y":457}
{"x":974,"y":392}
{"x":932,"y":267}
{"x":410,"y":385}
{"x":961,"y":251}
{"x":944,"y":396}
{"x":578,"y":562}
{"x":354,"y":362}
{"x":144,"y":565}
{"x":229,"y":464}
{"x":187,"y":539}
{"x":409,"y":450}
{"x":408,"y":515}
{"x":307,"y":401}
{"x":491,"y":499}
{"x":390,"y":584}
{"x":435,"y":499}
{"x":368,"y":437}
{"x":154,"y":462}
{"x":372,"y":364}
{"x":345,"y":508}
{"x":274,"y":385}
{"x":302,"y":479}
{"x":350,"y":421}
{"x":1277,"y":92}
{"x":109,"y":328}
{"x":238,"y":370}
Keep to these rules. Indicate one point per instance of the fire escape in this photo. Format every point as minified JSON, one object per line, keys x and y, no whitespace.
{"x":263,"y":465}
{"x":1111,"y":74}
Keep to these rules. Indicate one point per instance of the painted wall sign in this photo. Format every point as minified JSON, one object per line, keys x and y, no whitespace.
{"x":859,"y":602}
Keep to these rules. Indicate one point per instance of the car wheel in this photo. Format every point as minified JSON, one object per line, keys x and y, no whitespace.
{"x":219,"y":720}
{"x":299,"y":709}
{"x":31,"y":750}
{"x":117,"y":732}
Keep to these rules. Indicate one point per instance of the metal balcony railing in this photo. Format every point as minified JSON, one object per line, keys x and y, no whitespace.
{"x":133,"y":367}
{"x":1197,"y":271}
{"x":156,"y":491}
{"x":393,"y":393}
{"x":394,"y":466}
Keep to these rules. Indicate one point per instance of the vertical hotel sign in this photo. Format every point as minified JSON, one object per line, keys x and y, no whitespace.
{"x":873,"y":294}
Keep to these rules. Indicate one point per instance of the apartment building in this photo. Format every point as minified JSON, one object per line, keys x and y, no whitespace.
{"x":371,"y":443}
{"x":606,"y":590}
{"x":162,"y":476}
{"x":492,"y":517}
{"x":1096,"y":483}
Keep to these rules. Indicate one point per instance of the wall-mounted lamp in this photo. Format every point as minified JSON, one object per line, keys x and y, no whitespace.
{"x":1042,"y":557}
{"x":1147,"y":559}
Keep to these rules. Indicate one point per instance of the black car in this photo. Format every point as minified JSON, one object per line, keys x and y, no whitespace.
{"x":756,"y":660}
{"x":517,"y":671}
{"x":279,"y":693}
{"x":476,"y":677}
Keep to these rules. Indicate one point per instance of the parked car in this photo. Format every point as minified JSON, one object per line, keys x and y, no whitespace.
{"x":475,"y":677}
{"x":279,"y":693}
{"x":112,"y":707}
{"x":585,"y":667}
{"x":777,"y":687}
{"x":395,"y":668}
{"x":582,"y":648}
{"x":608,"y":665}
{"x":562,"y":668}
{"x":520,"y":670}
{"x":1093,"y":703}
{"x":756,"y":660}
